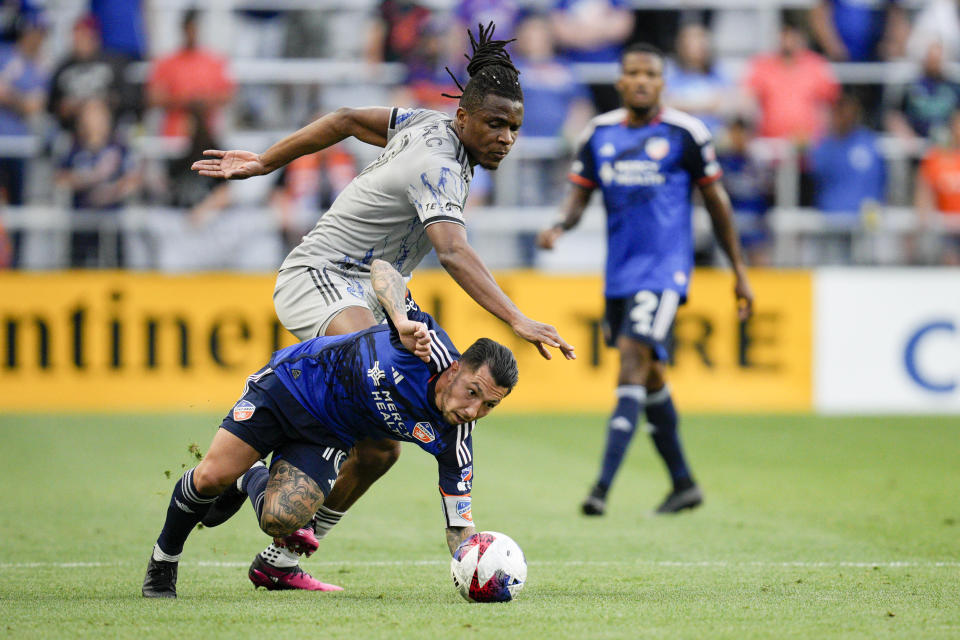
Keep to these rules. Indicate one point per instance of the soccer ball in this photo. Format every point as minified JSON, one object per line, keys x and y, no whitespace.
{"x":488,"y":567}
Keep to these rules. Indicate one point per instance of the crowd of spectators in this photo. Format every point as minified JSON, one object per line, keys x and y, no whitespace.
{"x":120,"y":126}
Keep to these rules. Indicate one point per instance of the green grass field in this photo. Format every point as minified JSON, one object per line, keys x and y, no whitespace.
{"x":812,"y":528}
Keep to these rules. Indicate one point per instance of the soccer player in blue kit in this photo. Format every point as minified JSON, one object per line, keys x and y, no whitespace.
{"x":646,"y":159}
{"x":404,"y":380}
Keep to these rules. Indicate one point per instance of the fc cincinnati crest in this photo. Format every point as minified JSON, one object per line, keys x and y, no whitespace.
{"x":423,"y":431}
{"x":243,"y":410}
{"x":657,"y":148}
{"x":464,"y":511}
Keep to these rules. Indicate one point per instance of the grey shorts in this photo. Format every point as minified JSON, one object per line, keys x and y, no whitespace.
{"x":307,"y":298}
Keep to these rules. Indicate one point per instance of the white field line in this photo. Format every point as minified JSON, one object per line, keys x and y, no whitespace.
{"x":707,"y":564}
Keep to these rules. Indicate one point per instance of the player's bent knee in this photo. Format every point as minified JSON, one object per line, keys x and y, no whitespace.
{"x":210,"y":481}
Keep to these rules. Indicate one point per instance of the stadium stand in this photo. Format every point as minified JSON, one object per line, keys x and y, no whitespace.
{"x":370,"y":52}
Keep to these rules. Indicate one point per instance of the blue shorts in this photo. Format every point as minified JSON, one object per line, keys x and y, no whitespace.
{"x":269,"y":419}
{"x":646,"y":316}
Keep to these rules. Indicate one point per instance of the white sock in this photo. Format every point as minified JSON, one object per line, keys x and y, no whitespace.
{"x":258,"y":463}
{"x":160,"y":556}
{"x":279,"y":557}
{"x":325,"y":520}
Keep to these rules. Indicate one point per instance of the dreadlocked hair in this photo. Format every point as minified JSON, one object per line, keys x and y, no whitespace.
{"x":491,"y":71}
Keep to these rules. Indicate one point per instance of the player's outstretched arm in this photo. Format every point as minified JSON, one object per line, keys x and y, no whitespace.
{"x":465,"y":266}
{"x":391,"y":292}
{"x":456,"y":535}
{"x":717,"y":201}
{"x":570,"y":213}
{"x":368,"y":124}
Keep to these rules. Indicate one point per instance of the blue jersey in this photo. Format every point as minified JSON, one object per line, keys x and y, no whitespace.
{"x":860,"y":25}
{"x":647,"y":175}
{"x":848,"y":171}
{"x":367,"y":385}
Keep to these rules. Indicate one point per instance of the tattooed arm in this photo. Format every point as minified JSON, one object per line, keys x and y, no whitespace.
{"x":390,"y":289}
{"x":391,"y":292}
{"x":456,"y":535}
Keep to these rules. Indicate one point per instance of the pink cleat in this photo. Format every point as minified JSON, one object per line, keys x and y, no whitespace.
{"x":302,"y":542}
{"x":274,"y":579}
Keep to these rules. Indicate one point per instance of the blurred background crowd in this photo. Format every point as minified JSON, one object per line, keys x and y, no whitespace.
{"x":837,"y":122}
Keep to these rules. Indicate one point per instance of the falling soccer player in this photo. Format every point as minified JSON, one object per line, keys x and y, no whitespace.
{"x":404,"y":381}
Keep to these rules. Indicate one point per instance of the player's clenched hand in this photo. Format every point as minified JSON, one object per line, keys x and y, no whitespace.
{"x":547,"y":238}
{"x":231,"y":165}
{"x":543,"y":336}
{"x":415,"y":338}
{"x":744,"y":294}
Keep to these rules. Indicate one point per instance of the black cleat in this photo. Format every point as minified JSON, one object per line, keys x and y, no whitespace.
{"x":595,"y":503}
{"x":223,"y":508}
{"x":161,"y":579}
{"x":677,"y":501}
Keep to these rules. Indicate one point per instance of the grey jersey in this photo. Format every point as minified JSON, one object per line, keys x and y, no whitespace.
{"x":422,"y":177}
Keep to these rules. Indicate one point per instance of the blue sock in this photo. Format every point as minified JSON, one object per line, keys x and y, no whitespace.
{"x":620,"y":430}
{"x":186,"y":509}
{"x":662,"y":416}
{"x":254,"y":484}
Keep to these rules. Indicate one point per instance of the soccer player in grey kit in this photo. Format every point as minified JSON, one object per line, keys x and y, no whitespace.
{"x":406,"y":202}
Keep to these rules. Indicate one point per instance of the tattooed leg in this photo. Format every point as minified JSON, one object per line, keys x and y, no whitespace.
{"x":291,"y":499}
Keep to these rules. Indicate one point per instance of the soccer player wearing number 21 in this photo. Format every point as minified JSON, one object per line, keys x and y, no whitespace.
{"x":645,"y":160}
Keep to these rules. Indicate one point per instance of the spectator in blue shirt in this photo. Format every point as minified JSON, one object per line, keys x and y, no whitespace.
{"x":122,"y":27}
{"x":749,"y":183}
{"x":846,"y":166}
{"x":859,"y":30}
{"x":593,"y":31}
{"x":23,"y":94}
{"x":555,"y":104}
{"x":101,"y":175}
{"x":694,"y":82}
{"x":503,"y":13}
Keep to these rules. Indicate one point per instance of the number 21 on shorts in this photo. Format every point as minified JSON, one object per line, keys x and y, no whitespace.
{"x":652,"y":313}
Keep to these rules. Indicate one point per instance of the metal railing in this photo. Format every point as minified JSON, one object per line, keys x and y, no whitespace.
{"x":249,"y":238}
